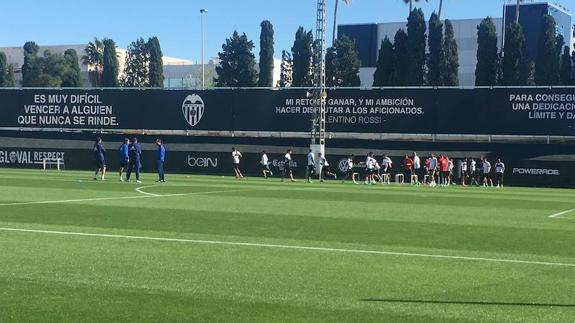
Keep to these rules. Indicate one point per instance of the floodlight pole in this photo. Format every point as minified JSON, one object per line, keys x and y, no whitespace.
{"x":503,"y":31}
{"x":202,"y":13}
{"x":319,"y":89}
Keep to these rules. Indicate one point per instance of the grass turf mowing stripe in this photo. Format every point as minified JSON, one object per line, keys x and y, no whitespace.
{"x":147,"y":195}
{"x":293,"y":247}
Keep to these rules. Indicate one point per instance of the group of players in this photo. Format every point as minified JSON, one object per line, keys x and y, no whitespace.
{"x":129,"y":153}
{"x":434,"y":171}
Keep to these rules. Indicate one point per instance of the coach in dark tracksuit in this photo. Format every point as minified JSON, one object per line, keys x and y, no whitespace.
{"x":100,"y":156}
{"x":135,"y":163}
{"x":160,"y":160}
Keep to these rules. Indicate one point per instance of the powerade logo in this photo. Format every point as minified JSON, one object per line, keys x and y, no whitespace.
{"x":193,"y":109}
{"x":202,"y":162}
{"x":28,"y":157}
{"x":536,"y":171}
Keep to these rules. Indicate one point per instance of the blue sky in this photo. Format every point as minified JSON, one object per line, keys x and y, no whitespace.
{"x":177,"y":22}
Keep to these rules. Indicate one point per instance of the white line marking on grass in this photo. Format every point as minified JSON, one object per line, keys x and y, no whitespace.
{"x":140,"y":190}
{"x":119,"y":198}
{"x":558,"y":215}
{"x":279,"y":246}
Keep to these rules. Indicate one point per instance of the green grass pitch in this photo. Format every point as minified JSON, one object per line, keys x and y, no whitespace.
{"x":213,"y":249}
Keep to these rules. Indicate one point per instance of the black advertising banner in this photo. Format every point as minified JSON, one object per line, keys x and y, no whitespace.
{"x":498,"y":111}
{"x":116,"y":109}
{"x":536,"y":111}
{"x":364,"y":111}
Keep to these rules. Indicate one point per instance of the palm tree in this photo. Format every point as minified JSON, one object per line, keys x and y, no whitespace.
{"x":94,"y":59}
{"x":335,"y":19}
{"x":411,"y":4}
{"x":440,"y":7}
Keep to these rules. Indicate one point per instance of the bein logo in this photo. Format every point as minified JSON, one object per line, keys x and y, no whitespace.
{"x":193,"y":109}
{"x":203,"y":162}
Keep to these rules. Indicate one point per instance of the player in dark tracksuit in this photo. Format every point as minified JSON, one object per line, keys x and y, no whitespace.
{"x":160,"y":160}
{"x":100,"y":157}
{"x":124,"y":156}
{"x":135,"y":152}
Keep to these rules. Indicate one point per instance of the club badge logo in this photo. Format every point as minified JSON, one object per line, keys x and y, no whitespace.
{"x":193,"y":109}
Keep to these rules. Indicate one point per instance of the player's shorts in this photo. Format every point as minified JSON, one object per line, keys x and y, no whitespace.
{"x":368,"y":171}
{"x":124,"y":163}
{"x":265,"y":167}
{"x":325,"y":169}
{"x":486,"y":175}
{"x":100,"y":163}
{"x":236,"y":166}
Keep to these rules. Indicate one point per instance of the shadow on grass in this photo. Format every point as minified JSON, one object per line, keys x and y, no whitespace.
{"x":421,"y":301}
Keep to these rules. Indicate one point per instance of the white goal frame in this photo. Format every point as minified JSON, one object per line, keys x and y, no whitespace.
{"x":53,"y":161}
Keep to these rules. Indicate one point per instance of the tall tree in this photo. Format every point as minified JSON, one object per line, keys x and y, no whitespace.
{"x":286,"y":70}
{"x":10,"y":80}
{"x":566,"y":67}
{"x":547,"y":61}
{"x":3,"y":69}
{"x":401,"y":59}
{"x":110,"y":68}
{"x":136,"y":66}
{"x":342,"y":64}
{"x":436,"y":54}
{"x":514,"y":55}
{"x":302,"y":55}
{"x":94,"y":60}
{"x":450,"y":74}
{"x":155,"y":63}
{"x":527,"y":73}
{"x":416,"y":40}
{"x":49,"y":70}
{"x":72,"y":75}
{"x":30,"y":70}
{"x":266,"y":77}
{"x":237,"y":63}
{"x":487,"y":57}
{"x":384,"y":72}
{"x":52,"y":69}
